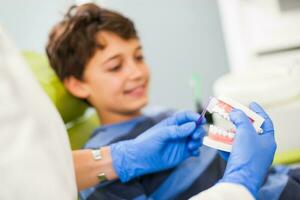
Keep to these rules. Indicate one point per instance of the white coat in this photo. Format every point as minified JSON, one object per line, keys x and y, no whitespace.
{"x":35,"y":154}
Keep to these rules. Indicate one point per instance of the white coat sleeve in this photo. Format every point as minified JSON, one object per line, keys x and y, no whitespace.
{"x":35,"y":154}
{"x":225,"y":191}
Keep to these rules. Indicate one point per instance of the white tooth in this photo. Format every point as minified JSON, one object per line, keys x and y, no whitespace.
{"x":221,"y":111}
{"x":216,"y":130}
{"x":214,"y":111}
{"x":212,"y":104}
{"x":218,"y":110}
{"x":231,"y":135}
{"x":211,"y":108}
{"x":225,"y":133}
{"x":223,"y":114}
{"x":220,"y":131}
{"x":226,"y":115}
{"x":212,"y":129}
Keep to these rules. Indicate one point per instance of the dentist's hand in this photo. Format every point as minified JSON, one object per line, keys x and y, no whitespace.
{"x":252,"y":154}
{"x":162,"y":147}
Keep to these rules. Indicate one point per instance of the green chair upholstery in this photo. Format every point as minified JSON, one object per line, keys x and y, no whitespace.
{"x":78,"y":117}
{"x":81,"y":129}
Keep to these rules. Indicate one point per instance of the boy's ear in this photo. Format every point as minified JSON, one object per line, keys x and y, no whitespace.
{"x":77,"y":87}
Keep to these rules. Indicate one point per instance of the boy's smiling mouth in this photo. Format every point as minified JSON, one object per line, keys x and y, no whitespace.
{"x":137,"y":91}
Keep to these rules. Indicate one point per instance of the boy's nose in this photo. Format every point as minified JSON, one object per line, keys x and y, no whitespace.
{"x":135,"y":71}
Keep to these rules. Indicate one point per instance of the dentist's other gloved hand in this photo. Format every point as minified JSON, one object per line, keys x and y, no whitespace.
{"x":162,"y":147}
{"x":252,"y":154}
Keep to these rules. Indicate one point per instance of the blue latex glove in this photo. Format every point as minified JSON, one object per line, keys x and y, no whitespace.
{"x":162,"y":147}
{"x":252,"y":154}
{"x":224,"y":155}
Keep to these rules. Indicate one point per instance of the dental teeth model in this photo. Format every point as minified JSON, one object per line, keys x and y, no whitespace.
{"x":222,"y":139}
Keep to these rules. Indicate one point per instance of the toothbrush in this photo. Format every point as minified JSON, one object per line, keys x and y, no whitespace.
{"x":198,"y":122}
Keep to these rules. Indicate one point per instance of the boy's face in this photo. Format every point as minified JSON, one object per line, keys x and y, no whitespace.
{"x":116,"y":77}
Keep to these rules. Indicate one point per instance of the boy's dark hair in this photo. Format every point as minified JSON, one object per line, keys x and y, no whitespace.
{"x":72,"y":42}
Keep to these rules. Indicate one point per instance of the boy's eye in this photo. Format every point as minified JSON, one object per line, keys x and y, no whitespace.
{"x":115,"y":68}
{"x":139,"y":58}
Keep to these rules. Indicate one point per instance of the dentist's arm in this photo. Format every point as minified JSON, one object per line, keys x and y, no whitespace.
{"x":251,"y":157}
{"x":87,"y":169}
{"x":163,"y":146}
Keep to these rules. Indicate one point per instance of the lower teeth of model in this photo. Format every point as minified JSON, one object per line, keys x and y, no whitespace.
{"x":219,"y":131}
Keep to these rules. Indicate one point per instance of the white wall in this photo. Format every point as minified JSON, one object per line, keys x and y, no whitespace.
{"x":29,"y":21}
{"x":179,"y":37}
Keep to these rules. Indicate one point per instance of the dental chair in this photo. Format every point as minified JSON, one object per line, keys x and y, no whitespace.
{"x":79,"y":118}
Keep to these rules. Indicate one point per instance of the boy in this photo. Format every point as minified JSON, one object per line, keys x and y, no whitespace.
{"x":98,"y":56}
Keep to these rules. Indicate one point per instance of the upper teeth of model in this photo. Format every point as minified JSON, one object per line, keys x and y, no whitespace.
{"x":221,"y":112}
